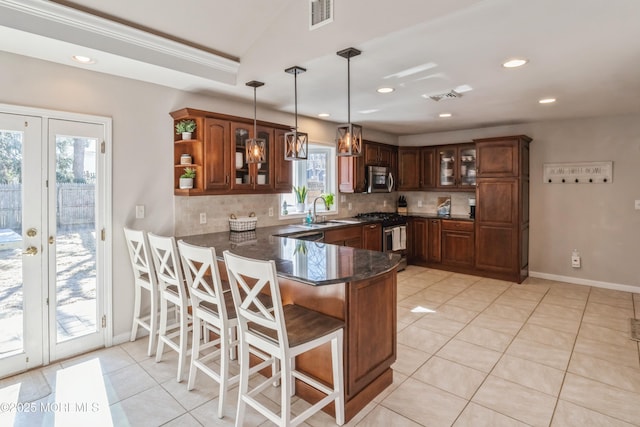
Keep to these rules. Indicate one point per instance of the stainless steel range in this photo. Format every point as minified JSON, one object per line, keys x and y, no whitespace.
{"x":394,"y":233}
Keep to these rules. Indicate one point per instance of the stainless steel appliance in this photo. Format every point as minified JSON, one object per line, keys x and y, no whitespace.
{"x":394,"y":233}
{"x":379,"y":179}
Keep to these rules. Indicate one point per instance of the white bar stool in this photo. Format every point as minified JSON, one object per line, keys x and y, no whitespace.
{"x":172,"y":291}
{"x":283,"y":332}
{"x":144,"y":277}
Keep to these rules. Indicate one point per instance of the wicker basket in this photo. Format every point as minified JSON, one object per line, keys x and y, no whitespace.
{"x":243,"y":223}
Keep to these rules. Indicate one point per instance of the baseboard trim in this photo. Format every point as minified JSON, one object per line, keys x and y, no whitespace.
{"x":586,"y":282}
{"x":122,"y":338}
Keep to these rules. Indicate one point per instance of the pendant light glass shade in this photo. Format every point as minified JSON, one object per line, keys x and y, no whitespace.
{"x":296,"y":144}
{"x":349,"y":135}
{"x":256,"y":147}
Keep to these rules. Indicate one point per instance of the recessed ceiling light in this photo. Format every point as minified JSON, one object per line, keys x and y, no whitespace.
{"x":514,"y":63}
{"x":83,"y":59}
{"x":324,"y":115}
{"x":385,"y":90}
{"x":547,"y":101}
{"x":444,"y":115}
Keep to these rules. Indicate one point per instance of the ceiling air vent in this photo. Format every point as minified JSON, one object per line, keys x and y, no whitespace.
{"x":447,"y":95}
{"x":320,"y":13}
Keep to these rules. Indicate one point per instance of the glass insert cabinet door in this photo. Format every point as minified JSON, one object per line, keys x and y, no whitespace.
{"x":447,"y":158}
{"x":467,"y":166}
{"x":249,"y":175}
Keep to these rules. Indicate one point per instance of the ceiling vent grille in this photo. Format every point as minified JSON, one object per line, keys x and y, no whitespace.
{"x":320,"y":13}
{"x":447,"y":95}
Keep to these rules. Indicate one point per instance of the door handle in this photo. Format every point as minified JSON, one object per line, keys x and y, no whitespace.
{"x":30,"y":251}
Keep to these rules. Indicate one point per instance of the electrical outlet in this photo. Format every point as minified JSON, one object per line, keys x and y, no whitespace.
{"x":637,"y":205}
{"x":349,"y":205}
{"x":139,"y":211}
{"x":203,"y":218}
{"x":575,"y":259}
{"x":270,"y":211}
{"x":343,"y":198}
{"x":384,"y":203}
{"x":419,"y":203}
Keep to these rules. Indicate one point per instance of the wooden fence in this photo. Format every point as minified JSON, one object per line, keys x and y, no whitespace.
{"x":75,"y":205}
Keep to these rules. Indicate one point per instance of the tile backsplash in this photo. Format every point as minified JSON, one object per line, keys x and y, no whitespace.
{"x":218,"y":209}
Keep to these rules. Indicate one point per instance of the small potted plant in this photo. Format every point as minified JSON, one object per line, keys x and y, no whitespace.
{"x":186,"y":179}
{"x":328,"y":200}
{"x":186,"y":128}
{"x":301,"y":196}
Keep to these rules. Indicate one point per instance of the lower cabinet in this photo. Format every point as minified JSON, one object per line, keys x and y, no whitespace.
{"x":372,"y":237}
{"x":345,"y":236}
{"x":457,"y":243}
{"x":418,"y":241}
{"x":434,"y":245}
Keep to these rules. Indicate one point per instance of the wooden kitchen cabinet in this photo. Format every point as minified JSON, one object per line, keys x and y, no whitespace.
{"x":434,"y":245}
{"x":352,"y":170}
{"x":216,"y":141}
{"x":502,"y":207}
{"x":418,"y":244}
{"x":372,"y":237}
{"x":456,"y":167}
{"x":251,"y":176}
{"x":351,"y":174}
{"x":416,"y":168}
{"x":458,"y":243}
{"x":408,"y":167}
{"x":345,"y":236}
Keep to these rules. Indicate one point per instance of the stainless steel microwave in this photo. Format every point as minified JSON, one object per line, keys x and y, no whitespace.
{"x":379,"y":179}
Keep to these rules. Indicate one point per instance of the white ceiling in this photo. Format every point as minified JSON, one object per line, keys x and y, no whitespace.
{"x":585,"y":53}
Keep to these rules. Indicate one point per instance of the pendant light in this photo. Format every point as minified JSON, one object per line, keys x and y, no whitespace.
{"x":256,"y":147}
{"x":296,"y":143}
{"x":349,"y":136}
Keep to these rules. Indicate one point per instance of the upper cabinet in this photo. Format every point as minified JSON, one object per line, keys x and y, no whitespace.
{"x":218,"y":155}
{"x":456,"y":167}
{"x":416,"y":168}
{"x":352,"y":170}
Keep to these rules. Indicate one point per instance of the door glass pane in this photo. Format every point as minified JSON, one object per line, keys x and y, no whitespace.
{"x":468,"y":166}
{"x":241,"y":135}
{"x":11,"y":279}
{"x":263,"y":168}
{"x":75,"y":237}
{"x":447,"y":167}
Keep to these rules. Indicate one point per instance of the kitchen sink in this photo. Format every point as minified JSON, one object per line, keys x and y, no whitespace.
{"x":313,"y":225}
{"x":344,"y":221}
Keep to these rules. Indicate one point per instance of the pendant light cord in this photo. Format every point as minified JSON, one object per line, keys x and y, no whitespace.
{"x":349,"y":90}
{"x":255,"y":112}
{"x":295,"y":91}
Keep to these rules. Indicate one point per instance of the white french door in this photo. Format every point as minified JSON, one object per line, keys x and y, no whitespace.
{"x":54,"y":207}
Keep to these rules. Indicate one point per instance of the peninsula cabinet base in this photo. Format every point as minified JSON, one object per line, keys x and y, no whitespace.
{"x":518,"y":277}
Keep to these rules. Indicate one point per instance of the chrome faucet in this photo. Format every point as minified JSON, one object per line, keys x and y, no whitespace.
{"x":315,"y":215}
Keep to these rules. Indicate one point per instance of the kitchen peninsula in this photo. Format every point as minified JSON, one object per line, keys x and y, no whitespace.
{"x":355,"y":285}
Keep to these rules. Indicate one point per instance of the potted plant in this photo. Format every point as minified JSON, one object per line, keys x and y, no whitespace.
{"x":186,"y":128}
{"x":301,"y":196}
{"x":328,"y":200}
{"x":186,"y":179}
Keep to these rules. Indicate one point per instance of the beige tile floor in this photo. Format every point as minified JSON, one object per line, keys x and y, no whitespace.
{"x":471,"y":352}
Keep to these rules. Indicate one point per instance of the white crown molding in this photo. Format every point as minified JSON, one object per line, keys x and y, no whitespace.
{"x":84,"y":29}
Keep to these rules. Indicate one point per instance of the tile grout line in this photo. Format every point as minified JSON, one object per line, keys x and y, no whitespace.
{"x":499,"y":359}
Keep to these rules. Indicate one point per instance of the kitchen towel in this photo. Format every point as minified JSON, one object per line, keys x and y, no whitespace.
{"x":403,"y":237}
{"x":395,"y":237}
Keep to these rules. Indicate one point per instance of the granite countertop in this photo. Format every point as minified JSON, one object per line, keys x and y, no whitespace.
{"x":313,"y":263}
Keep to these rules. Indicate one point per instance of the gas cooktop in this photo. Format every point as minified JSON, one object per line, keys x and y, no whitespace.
{"x":386,"y":218}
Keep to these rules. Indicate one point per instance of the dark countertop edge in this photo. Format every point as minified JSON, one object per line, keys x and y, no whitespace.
{"x":436,"y":216}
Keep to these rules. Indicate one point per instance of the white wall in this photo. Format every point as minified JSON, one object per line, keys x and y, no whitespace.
{"x":597,"y":219}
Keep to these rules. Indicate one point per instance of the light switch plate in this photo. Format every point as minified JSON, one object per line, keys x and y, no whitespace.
{"x":637,"y":204}
{"x":139,"y":211}
{"x":203,"y":218}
